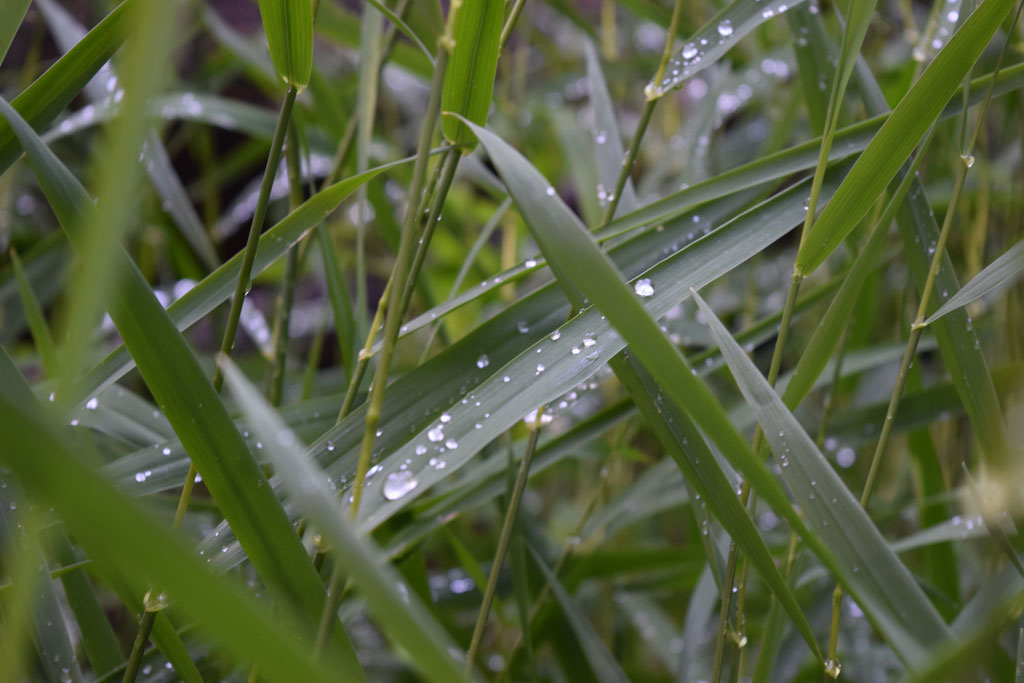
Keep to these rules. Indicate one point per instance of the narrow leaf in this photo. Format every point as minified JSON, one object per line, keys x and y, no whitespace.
{"x":469,"y":78}
{"x":997,"y":275}
{"x":289,"y":28}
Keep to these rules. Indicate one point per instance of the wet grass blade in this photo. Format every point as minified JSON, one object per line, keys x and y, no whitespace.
{"x":997,"y":275}
{"x":116,"y":528}
{"x":51,"y":93}
{"x":900,"y":133}
{"x":880,"y":581}
{"x":187,"y":398}
{"x":288,"y":25}
{"x":399,"y":612}
{"x":710,"y":42}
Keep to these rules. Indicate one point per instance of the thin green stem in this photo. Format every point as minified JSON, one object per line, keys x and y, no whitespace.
{"x":628,"y":161}
{"x":393,"y":316}
{"x":510,"y":23}
{"x":503,"y":539}
{"x":282,"y":317}
{"x":444,"y":183}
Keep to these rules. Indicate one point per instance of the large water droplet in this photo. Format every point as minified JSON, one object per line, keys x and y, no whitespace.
{"x":483,"y":361}
{"x":643,"y":287}
{"x":436,"y":434}
{"x":399,"y":483}
{"x":725,"y":28}
{"x":689,"y":51}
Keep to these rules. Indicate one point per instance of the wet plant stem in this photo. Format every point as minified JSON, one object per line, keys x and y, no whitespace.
{"x":235,"y":314}
{"x":503,"y":540}
{"x":392,"y":316}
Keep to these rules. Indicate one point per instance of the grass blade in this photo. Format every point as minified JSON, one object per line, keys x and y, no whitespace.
{"x":900,"y":133}
{"x":108,"y":525}
{"x":187,"y":398}
{"x":469,"y":79}
{"x":603,"y":664}
{"x":53,"y":91}
{"x":10,"y":20}
{"x":399,"y":612}
{"x":288,"y":25}
{"x":35,"y":318}
{"x":997,"y":275}
{"x":714,"y":39}
{"x":880,"y":582}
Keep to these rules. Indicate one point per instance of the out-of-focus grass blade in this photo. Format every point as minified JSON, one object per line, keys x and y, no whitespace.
{"x":56,"y":653}
{"x":200,"y":420}
{"x":10,"y":20}
{"x":469,"y":78}
{"x":117,"y":528}
{"x":36,"y":320}
{"x":44,"y":265}
{"x":601,"y":661}
{"x":900,"y":133}
{"x":608,"y":151}
{"x":67,"y":33}
{"x":1018,"y":674}
{"x":652,"y":624}
{"x":217,"y":287}
{"x":399,"y":612}
{"x":715,"y":38}
{"x":21,"y":564}
{"x":289,"y":28}
{"x":47,"y":97}
{"x":340,"y":26}
{"x":1001,"y":273}
{"x":403,"y":27}
{"x":884,"y":586}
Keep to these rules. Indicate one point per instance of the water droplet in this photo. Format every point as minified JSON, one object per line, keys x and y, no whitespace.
{"x":643,"y":287}
{"x":436,"y":434}
{"x":421,"y":449}
{"x":846,"y":457}
{"x":833,"y":667}
{"x":399,"y":483}
{"x":166,"y":450}
{"x":445,"y":418}
{"x":556,"y":335}
{"x":483,"y":361}
{"x":575,"y":350}
{"x":451,"y":444}
{"x":589,"y":339}
{"x":689,"y":51}
{"x":725,"y":28}
{"x":550,"y":191}
{"x":968,"y":159}
{"x":952,"y":16}
{"x":540,"y":368}
{"x":522,"y":327}
{"x":530,"y":263}
{"x":92,"y":404}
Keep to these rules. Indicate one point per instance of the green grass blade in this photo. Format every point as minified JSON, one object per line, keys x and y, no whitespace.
{"x":10,"y":20}
{"x":710,"y":42}
{"x":53,"y":91}
{"x":601,"y":661}
{"x":288,"y":25}
{"x":108,"y":523}
{"x":608,"y":150}
{"x":400,"y":614}
{"x":469,"y":79}
{"x":187,"y":398}
{"x":35,"y":318}
{"x":886,"y":588}
{"x":900,"y":133}
{"x":997,"y":275}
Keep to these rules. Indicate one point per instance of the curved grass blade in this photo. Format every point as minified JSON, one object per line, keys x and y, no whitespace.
{"x":469,"y":79}
{"x":108,"y":525}
{"x":399,"y":612}
{"x":714,"y":39}
{"x":997,"y":275}
{"x":173,"y":375}
{"x":900,"y":133}
{"x":288,"y":25}
{"x":601,"y":661}
{"x":49,"y":94}
{"x":887,"y":591}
